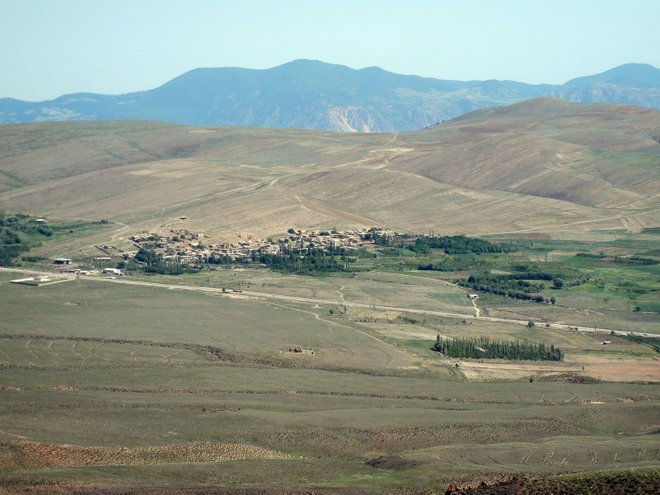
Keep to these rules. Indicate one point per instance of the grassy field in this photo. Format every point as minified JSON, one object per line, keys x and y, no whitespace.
{"x":163,"y":387}
{"x":101,"y":382}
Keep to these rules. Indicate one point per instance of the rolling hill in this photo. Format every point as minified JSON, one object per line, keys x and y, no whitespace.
{"x":306,"y":94}
{"x":540,"y":167}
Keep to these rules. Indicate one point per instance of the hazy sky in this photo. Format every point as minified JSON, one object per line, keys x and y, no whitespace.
{"x":53,"y":47}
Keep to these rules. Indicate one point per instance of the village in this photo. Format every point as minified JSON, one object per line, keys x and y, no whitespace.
{"x":193,"y":249}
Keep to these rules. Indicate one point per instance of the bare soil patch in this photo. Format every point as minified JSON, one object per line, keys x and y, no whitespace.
{"x":9,"y":388}
{"x":391,"y":463}
{"x":490,"y":370}
{"x":618,"y":369}
{"x":66,"y":488}
{"x":33,"y":455}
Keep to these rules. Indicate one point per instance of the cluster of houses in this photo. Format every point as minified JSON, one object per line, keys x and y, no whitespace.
{"x":333,"y":239}
{"x":191,"y":248}
{"x":194,"y":248}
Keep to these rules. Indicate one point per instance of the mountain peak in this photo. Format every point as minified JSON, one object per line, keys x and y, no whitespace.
{"x":308,"y":65}
{"x":631,"y":75}
{"x":300,"y":62}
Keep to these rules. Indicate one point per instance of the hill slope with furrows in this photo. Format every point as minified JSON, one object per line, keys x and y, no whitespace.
{"x":591,"y":155}
{"x":308,"y":94}
{"x":543,"y":166}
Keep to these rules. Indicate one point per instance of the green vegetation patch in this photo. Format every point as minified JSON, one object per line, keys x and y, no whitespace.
{"x":516,"y":285}
{"x":653,"y":342}
{"x":487,"y":349}
{"x":19,"y":233}
{"x":629,"y":481}
{"x":458,"y":244}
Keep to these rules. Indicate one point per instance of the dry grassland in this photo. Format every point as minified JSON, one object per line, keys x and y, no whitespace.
{"x":499,"y":171}
{"x":618,"y":368}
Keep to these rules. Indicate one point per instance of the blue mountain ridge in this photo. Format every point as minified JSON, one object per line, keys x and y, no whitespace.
{"x":309,"y":94}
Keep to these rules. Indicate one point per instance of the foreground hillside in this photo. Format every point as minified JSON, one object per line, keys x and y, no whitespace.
{"x":155,"y":386}
{"x":306,"y":94}
{"x":543,"y":167}
{"x":293,"y":384}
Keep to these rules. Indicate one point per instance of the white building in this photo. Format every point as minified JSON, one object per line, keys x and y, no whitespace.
{"x":112,"y":271}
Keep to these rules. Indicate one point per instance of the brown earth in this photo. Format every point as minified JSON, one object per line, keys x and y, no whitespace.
{"x":611,"y":483}
{"x":611,"y":368}
{"x":544,"y":167}
{"x":33,"y":455}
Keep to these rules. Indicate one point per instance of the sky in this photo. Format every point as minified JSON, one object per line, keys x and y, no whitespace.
{"x":53,"y":47}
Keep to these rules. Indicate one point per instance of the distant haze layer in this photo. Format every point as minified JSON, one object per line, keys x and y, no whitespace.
{"x":307,"y":94}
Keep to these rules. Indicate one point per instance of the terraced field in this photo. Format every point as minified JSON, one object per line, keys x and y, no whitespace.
{"x":31,"y":455}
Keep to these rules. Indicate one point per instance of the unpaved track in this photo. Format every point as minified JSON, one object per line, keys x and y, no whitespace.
{"x":309,"y":300}
{"x":477,"y":311}
{"x":625,"y":218}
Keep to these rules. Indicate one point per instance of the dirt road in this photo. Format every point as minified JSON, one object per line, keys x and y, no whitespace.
{"x":350,"y":304}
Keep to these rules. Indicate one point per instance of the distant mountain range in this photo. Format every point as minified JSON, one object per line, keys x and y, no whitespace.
{"x":306,"y":94}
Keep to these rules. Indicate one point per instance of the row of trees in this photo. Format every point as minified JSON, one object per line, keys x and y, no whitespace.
{"x":514,"y":285}
{"x":151,"y":262}
{"x":518,"y":285}
{"x":313,"y":261}
{"x":453,"y":264}
{"x":450,"y":244}
{"x":485,"y":348}
{"x":309,"y":261}
{"x":457,"y":244}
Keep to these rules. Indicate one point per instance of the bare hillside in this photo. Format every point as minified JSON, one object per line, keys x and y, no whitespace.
{"x":593,"y":155}
{"x":543,"y":166}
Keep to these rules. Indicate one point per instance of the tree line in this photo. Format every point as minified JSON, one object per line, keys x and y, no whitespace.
{"x":149,"y":261}
{"x":458,"y":244}
{"x":314,"y":261}
{"x":450,"y":244}
{"x":487,"y":349}
{"x":452,"y":264}
{"x":309,"y":261}
{"x":514,"y":285}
